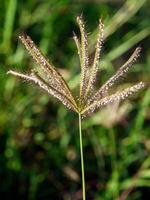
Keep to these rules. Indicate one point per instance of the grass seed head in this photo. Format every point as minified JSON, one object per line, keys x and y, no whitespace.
{"x":51,"y":81}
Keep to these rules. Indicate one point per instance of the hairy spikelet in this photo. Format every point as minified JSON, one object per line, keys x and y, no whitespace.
{"x":78,"y":45}
{"x":98,"y":47}
{"x":36,"y":79}
{"x":52,"y":75}
{"x":84,"y":58}
{"x":49,"y":79}
{"x":120,"y":73}
{"x":118,"y":96}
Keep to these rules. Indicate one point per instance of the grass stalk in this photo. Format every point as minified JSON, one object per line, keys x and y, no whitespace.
{"x":82,"y":159}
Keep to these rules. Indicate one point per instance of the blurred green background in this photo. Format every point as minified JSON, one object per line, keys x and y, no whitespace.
{"x":39,"y":144}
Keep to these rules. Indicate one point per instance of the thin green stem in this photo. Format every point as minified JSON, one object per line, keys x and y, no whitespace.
{"x":82,"y":160}
{"x":114,"y":163}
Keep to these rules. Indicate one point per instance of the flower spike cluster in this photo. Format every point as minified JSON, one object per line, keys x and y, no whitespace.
{"x":49,"y":79}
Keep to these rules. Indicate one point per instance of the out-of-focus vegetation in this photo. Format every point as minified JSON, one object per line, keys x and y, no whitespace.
{"x":39,"y":147}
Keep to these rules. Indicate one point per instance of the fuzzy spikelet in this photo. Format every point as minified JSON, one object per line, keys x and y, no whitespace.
{"x":120,"y":73}
{"x":76,"y":40}
{"x":36,"y":79}
{"x":118,"y":96}
{"x":54,"y":78}
{"x":84,"y":58}
{"x":98,"y":47}
{"x":49,"y":79}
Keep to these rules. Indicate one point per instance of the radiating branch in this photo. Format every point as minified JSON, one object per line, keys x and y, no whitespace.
{"x":98,"y":47}
{"x":120,"y":73}
{"x":77,"y":42}
{"x":53,"y":76}
{"x":84,"y":57}
{"x":118,"y":96}
{"x":36,"y":79}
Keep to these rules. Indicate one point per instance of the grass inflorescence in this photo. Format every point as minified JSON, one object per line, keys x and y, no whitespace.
{"x":89,"y":100}
{"x":49,"y":79}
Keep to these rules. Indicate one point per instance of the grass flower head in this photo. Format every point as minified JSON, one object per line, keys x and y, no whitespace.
{"x":49,"y":79}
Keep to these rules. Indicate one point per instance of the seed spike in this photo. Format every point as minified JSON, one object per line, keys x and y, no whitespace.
{"x":118,"y":96}
{"x":36,"y":79}
{"x":98,"y":48}
{"x":54,"y":77}
{"x":120,"y":73}
{"x":84,"y":57}
{"x":77,"y":44}
{"x":59,"y":95}
{"x":21,"y":75}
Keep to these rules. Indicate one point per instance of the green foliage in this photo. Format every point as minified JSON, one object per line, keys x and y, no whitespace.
{"x":38,"y":139}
